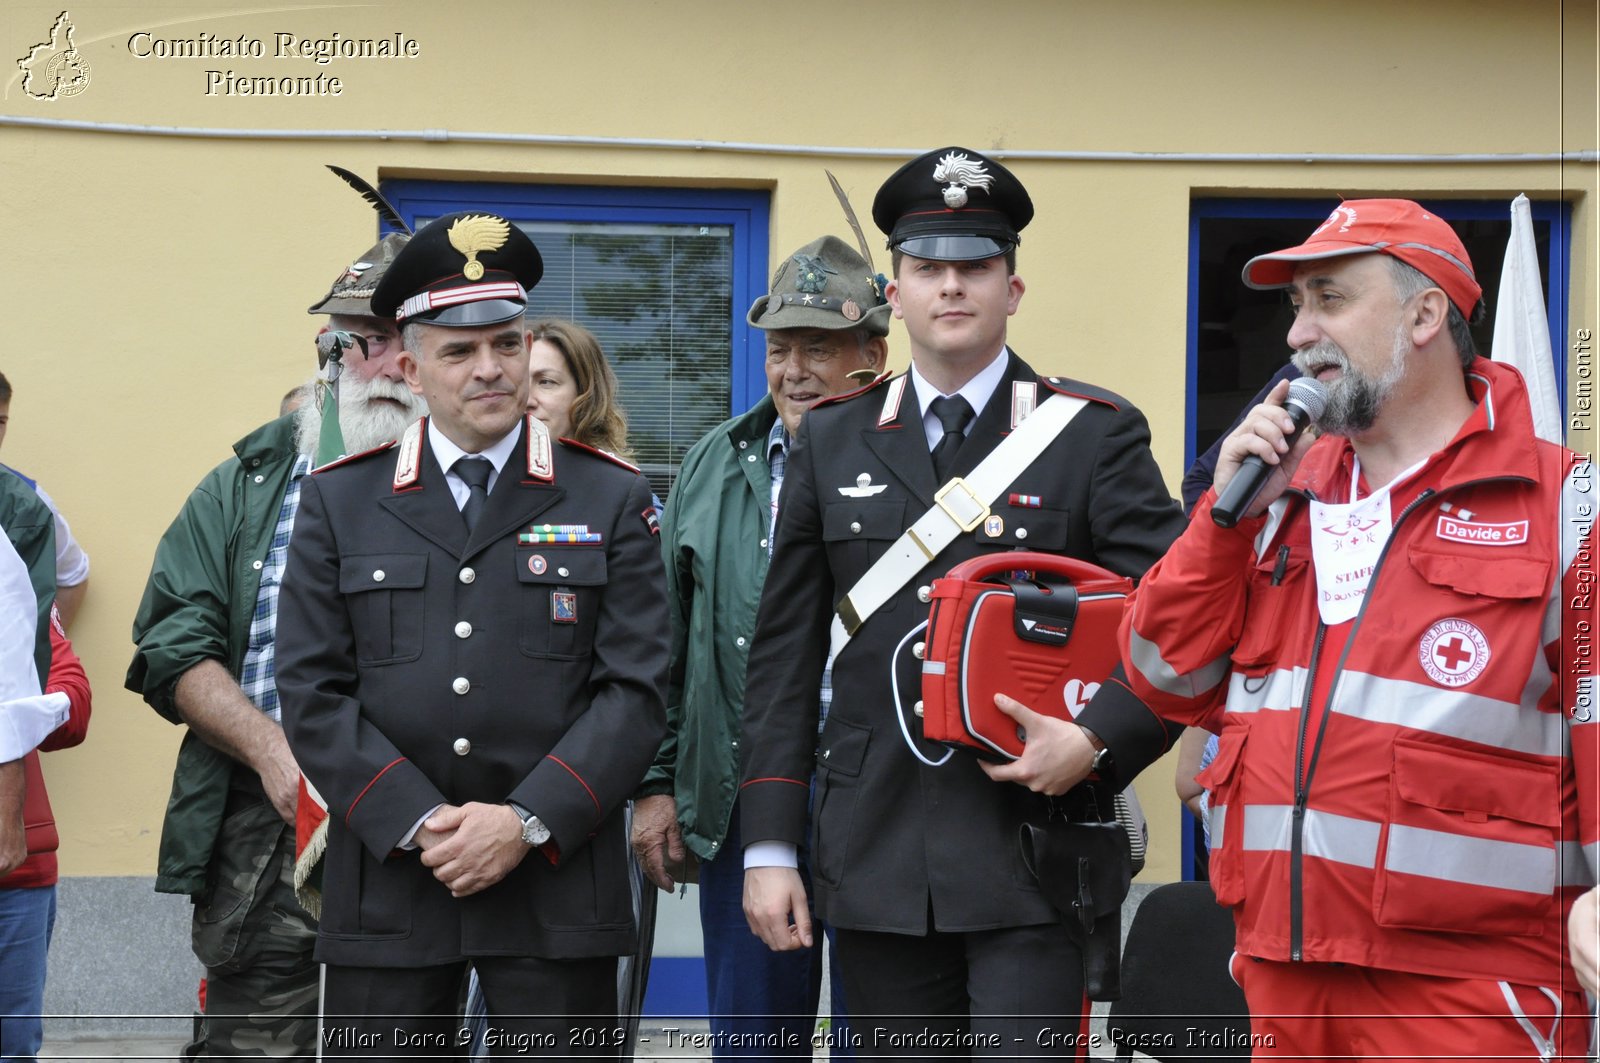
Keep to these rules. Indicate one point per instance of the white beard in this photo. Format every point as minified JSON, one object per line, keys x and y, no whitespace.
{"x":365,"y":423}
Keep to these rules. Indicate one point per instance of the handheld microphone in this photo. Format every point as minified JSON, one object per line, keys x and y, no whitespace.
{"x":1307,"y":399}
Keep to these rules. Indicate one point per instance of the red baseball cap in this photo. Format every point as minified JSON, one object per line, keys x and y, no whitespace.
{"x":1395,"y":227}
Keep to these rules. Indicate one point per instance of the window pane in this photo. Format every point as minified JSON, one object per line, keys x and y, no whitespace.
{"x":658,"y":297}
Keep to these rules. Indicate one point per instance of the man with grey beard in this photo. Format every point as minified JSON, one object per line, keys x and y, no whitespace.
{"x":205,"y":632}
{"x":1392,"y":644}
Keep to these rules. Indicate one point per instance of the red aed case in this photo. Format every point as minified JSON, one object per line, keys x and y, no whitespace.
{"x":1037,"y":627}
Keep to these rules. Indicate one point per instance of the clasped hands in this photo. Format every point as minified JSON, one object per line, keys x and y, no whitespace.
{"x":470,"y":847}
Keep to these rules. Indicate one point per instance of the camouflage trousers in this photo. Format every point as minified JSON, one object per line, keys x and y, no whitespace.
{"x":255,"y":941}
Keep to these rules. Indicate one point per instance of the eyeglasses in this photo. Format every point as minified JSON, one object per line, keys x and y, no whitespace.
{"x":332,"y":343}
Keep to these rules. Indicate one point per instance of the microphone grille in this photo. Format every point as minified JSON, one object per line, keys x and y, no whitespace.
{"x":1310,"y":394}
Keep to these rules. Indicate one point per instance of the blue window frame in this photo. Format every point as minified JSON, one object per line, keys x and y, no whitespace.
{"x":613,"y":260}
{"x":1485,"y":226}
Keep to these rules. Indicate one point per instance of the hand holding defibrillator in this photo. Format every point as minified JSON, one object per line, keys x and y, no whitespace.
{"x":1057,"y":754}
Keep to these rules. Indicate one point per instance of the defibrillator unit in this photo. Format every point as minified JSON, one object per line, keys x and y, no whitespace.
{"x":1037,"y":627}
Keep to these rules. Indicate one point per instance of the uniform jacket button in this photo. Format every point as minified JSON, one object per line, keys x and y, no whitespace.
{"x":461,"y":746}
{"x":463,"y":630}
{"x":379,"y":575}
{"x":460,"y":685}
{"x":467,"y":575}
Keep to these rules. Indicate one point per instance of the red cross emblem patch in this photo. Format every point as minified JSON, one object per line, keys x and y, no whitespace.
{"x":1453,"y":652}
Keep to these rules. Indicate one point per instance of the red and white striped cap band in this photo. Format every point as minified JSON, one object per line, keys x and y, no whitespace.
{"x":422,"y":302}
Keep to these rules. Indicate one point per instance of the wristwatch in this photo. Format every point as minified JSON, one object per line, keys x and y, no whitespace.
{"x":534,"y":832}
{"x":1104,"y":763}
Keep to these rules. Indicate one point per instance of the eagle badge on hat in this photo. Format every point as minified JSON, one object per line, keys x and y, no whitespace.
{"x":961,"y":173}
{"x":811,"y":273}
{"x":474,"y":233}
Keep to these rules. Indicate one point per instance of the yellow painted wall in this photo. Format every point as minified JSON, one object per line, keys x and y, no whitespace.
{"x":153,"y":287}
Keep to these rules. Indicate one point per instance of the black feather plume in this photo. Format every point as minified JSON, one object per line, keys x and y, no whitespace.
{"x":384,"y":208}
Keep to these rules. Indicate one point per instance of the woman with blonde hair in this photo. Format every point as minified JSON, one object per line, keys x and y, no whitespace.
{"x":571,"y":387}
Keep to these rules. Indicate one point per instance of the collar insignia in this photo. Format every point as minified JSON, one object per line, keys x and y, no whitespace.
{"x":541,"y":464}
{"x":408,"y":460}
{"x":891,"y":400}
{"x":1024,"y":397}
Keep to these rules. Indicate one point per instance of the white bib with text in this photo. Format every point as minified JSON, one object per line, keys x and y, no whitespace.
{"x":1346,"y":540}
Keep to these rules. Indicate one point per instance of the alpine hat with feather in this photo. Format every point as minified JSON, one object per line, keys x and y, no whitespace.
{"x":826,"y":285}
{"x":351,"y":292}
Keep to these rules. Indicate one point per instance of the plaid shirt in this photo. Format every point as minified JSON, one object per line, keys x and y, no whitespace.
{"x":778,"y":462}
{"x":258,"y":677}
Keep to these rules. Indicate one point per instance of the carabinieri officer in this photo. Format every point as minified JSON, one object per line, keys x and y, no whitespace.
{"x":471,"y":655}
{"x":943,"y":934}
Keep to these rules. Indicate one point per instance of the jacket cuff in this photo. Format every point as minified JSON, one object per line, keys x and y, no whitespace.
{"x":773,"y":810}
{"x":1136,"y":736}
{"x":653,"y":788}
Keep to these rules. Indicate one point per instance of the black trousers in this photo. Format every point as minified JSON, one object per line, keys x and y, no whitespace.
{"x":536,"y":1008}
{"x":1014,"y":992}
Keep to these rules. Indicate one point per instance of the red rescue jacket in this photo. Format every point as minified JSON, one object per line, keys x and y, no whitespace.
{"x":1413,"y":789}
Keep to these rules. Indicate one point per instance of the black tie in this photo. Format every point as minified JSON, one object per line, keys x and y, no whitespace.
{"x":474,"y":472}
{"x":953,"y":414}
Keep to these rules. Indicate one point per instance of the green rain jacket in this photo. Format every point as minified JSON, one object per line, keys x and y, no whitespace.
{"x":714,"y":541}
{"x":197,"y":606}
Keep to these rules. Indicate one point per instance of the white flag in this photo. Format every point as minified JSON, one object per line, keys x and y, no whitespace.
{"x":1521,"y":329}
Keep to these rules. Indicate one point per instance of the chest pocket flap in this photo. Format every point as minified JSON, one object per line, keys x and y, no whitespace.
{"x":382,"y":572}
{"x":1483,"y":573}
{"x":862,"y":519}
{"x":572,"y":566}
{"x":1035,"y":528}
{"x":387,"y":604}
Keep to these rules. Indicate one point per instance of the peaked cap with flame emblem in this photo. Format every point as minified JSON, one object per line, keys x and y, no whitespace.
{"x":952,"y":205}
{"x":463,"y":270}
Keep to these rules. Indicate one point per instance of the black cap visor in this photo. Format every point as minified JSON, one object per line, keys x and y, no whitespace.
{"x":953,"y":248}
{"x":472,"y":315}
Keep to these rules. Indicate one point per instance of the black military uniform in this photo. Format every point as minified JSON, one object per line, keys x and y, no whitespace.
{"x":902,"y":847}
{"x":519,"y":663}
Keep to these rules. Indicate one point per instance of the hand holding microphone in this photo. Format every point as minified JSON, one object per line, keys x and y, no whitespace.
{"x":1306,"y":400}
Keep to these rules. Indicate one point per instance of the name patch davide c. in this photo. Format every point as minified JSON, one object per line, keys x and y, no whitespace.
{"x":1478,"y":533}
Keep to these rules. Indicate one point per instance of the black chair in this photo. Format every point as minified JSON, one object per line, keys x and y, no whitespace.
{"x":1178,"y":1000}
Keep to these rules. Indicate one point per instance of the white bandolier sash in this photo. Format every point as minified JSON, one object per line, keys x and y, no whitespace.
{"x":959,"y":507}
